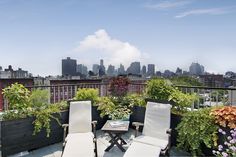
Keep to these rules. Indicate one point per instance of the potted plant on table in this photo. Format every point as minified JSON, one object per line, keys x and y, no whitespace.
{"x":115,"y":106}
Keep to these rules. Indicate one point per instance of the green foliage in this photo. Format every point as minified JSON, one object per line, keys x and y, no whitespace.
{"x":43,"y":118}
{"x":196,"y":128}
{"x":162,"y":90}
{"x":135,"y":100}
{"x":181,"y":101}
{"x":39,"y":98}
{"x":87,"y":94}
{"x":17,"y":96}
{"x":114,"y":109}
{"x":158,"y":89}
{"x":186,"y":81}
{"x":23,"y":104}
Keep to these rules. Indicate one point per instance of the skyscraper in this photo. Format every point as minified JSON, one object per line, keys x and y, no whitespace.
{"x":102,"y":69}
{"x":151,"y":70}
{"x":82,"y":69}
{"x":121,"y":70}
{"x":196,"y":69}
{"x":95,"y":69}
{"x":69,"y":66}
{"x":144,"y":70}
{"x":111,"y":70}
{"x":134,"y":68}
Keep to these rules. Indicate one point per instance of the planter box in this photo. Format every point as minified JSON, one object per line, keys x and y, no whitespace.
{"x":17,"y":135}
{"x":174,"y":121}
{"x":96,"y":116}
{"x":138,"y":115}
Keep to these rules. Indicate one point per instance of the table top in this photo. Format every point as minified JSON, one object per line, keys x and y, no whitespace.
{"x":116,"y":125}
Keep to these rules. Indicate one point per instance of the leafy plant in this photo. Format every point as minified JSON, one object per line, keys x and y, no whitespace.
{"x":158,"y":89}
{"x":135,"y":100}
{"x":110,"y":106}
{"x":118,"y":86}
{"x":24,"y":104}
{"x":87,"y":94}
{"x":43,"y":117}
{"x":225,"y":116}
{"x":228,"y":149}
{"x":162,"y":90}
{"x":17,"y":96}
{"x":39,"y":98}
{"x":196,"y":128}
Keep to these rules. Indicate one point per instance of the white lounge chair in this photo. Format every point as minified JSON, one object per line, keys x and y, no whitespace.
{"x":155,"y":138}
{"x":80,"y":141}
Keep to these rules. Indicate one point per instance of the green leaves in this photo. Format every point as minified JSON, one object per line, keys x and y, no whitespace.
{"x":87,"y":94}
{"x":196,"y":128}
{"x":17,"y":96}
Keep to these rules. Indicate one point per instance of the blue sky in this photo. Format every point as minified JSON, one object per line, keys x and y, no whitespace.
{"x":36,"y":34}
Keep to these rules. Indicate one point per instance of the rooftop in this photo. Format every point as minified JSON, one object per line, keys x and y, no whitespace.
{"x":55,"y":150}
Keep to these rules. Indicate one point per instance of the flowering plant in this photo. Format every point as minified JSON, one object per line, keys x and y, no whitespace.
{"x":225,"y":116}
{"x":229,"y":147}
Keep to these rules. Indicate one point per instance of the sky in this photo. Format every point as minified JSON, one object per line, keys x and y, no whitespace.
{"x":36,"y":35}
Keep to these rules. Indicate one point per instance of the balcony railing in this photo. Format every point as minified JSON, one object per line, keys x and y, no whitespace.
{"x":206,"y":96}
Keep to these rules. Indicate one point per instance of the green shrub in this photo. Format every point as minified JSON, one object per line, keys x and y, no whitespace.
{"x":197,"y":128}
{"x":162,"y":90}
{"x":87,"y":94}
{"x":39,"y":98}
{"x":17,"y":96}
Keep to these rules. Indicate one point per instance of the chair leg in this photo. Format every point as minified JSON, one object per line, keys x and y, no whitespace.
{"x":95,"y":150}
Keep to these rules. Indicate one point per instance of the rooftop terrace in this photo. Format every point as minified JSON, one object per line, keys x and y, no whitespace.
{"x":55,"y":150}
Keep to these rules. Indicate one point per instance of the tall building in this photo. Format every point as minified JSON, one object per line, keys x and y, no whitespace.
{"x":95,"y":69}
{"x":82,"y":69}
{"x":102,"y":69}
{"x":111,"y":70}
{"x":178,"y":71}
{"x":196,"y":69}
{"x":144,"y":70}
{"x":121,"y":70}
{"x":151,"y":70}
{"x":134,"y":68}
{"x":69,"y":67}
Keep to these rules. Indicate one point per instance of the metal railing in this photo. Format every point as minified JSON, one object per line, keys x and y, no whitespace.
{"x":206,"y":96}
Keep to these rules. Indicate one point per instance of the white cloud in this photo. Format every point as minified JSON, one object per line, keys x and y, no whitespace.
{"x":168,"y":4}
{"x":113,"y":51}
{"x":212,"y":11}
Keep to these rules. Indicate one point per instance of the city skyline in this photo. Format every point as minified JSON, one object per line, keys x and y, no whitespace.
{"x":37,"y":35}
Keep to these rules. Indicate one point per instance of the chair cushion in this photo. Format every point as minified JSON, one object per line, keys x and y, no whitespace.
{"x":152,"y":141}
{"x":79,"y":144}
{"x":138,"y":149}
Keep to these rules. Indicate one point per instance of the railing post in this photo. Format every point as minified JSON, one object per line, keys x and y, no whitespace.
{"x":192,"y":108}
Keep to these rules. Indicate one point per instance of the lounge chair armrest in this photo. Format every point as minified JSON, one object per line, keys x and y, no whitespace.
{"x":94,"y":123}
{"x":137,"y":125}
{"x":65,"y":127}
{"x":168,"y":131}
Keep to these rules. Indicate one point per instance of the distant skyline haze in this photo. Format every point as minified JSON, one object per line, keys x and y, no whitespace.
{"x":36,"y":35}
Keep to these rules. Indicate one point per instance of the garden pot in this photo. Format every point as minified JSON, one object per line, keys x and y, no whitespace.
{"x":17,"y":135}
{"x":96,"y":116}
{"x":174,"y":121}
{"x":138,"y":115}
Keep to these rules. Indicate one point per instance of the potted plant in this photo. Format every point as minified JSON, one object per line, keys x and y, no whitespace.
{"x":92,"y":95}
{"x":116,"y":106}
{"x":26,"y":125}
{"x":196,"y":129}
